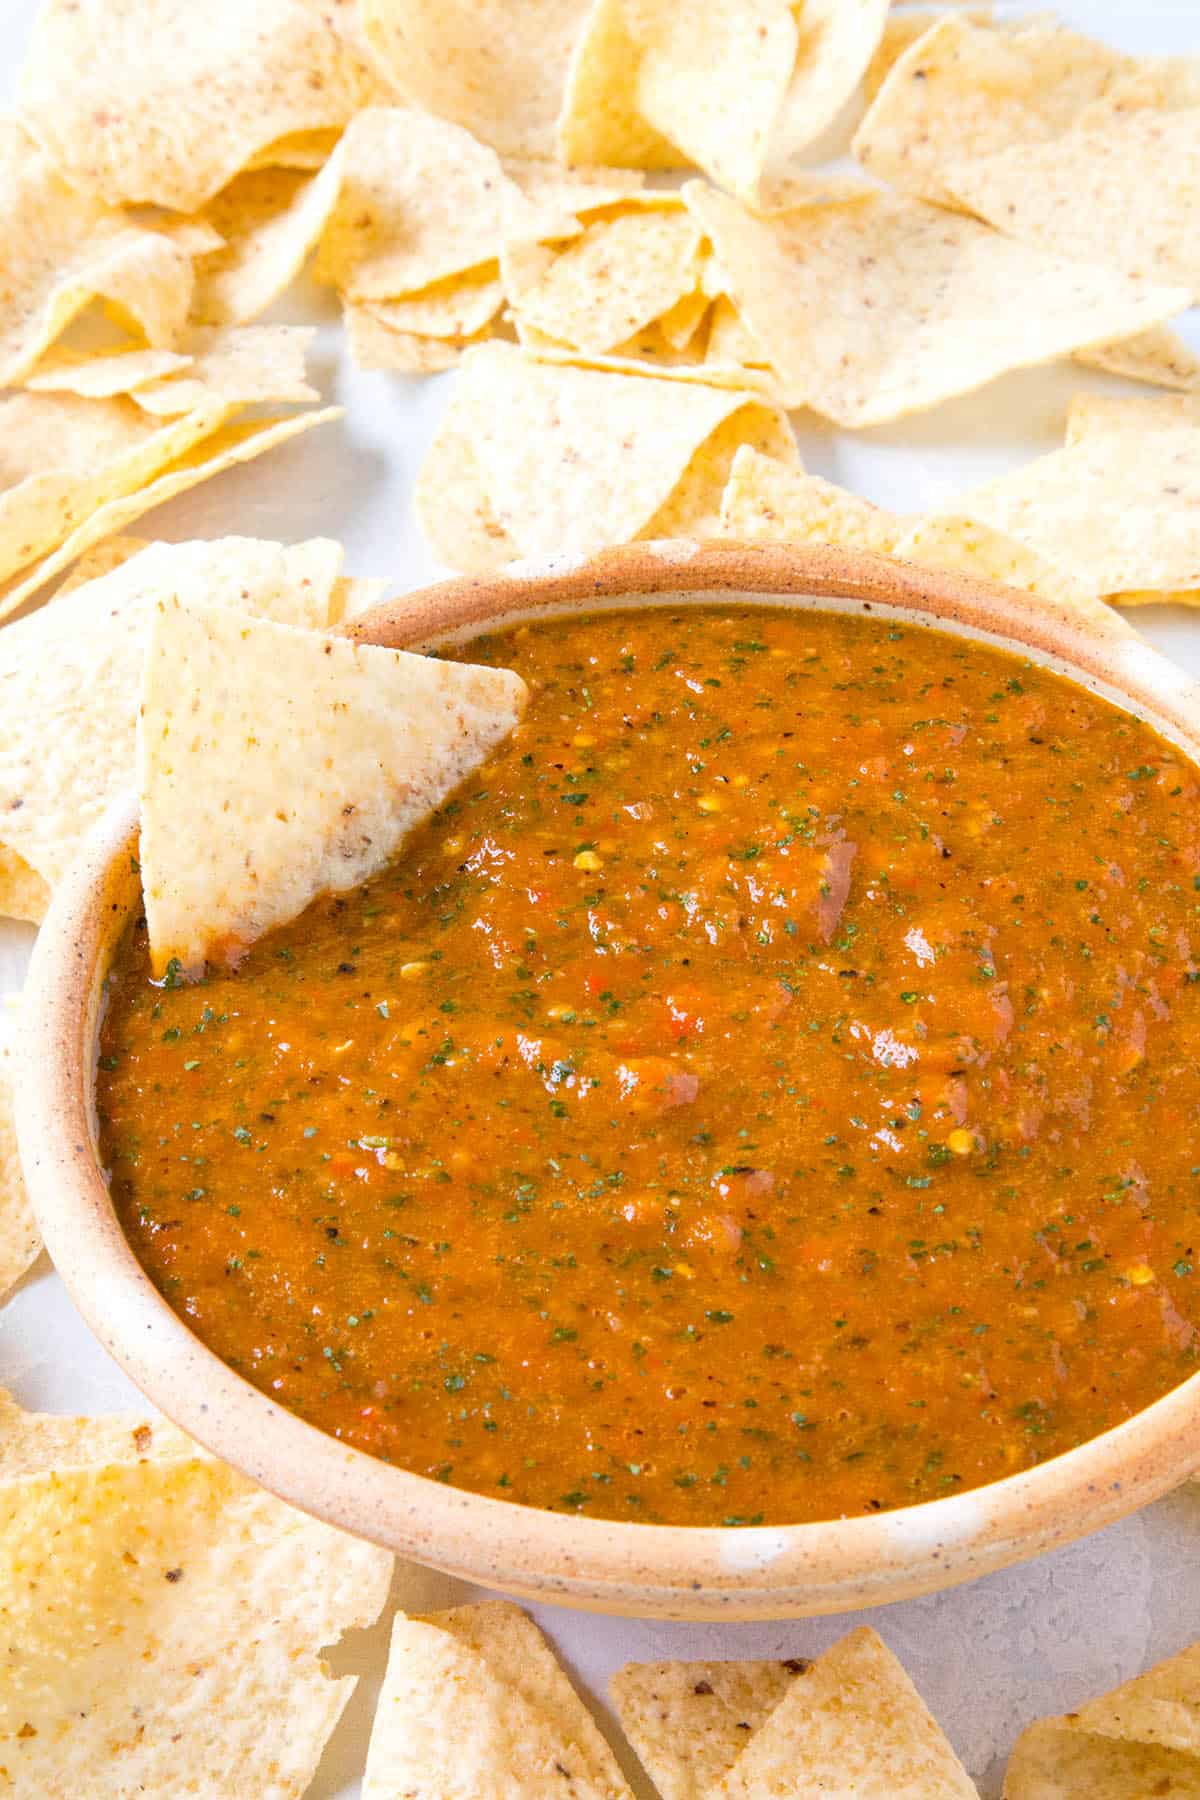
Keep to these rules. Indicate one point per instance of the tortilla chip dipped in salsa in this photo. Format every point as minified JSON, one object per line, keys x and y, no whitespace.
{"x":728,"y":1063}
{"x":275,"y":764}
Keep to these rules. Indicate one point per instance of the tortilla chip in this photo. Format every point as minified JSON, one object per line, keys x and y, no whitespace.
{"x":164,"y":1616}
{"x":166,"y":100}
{"x":690,"y":1721}
{"x":277,"y":764}
{"x":23,"y":893}
{"x":101,"y":561}
{"x":62,"y":457}
{"x":517,"y":1654}
{"x":1158,"y":356}
{"x":1124,"y":194}
{"x":1053,"y":1762}
{"x":599,"y":121}
{"x":853,"y":1725}
{"x":62,"y":250}
{"x":768,"y":500}
{"x":217,"y":452}
{"x":421,"y":200}
{"x":241,"y":367}
{"x":269,"y":222}
{"x":70,"y":673}
{"x":837,"y":39}
{"x":101,"y":377}
{"x":904,"y":26}
{"x":964,"y":91}
{"x":20,"y":1241}
{"x":596,"y":291}
{"x":375,"y":345}
{"x":950,"y":542}
{"x":1118,"y":508}
{"x":497,"y":71}
{"x":1160,"y":1707}
{"x":297,"y":150}
{"x":567,"y":458}
{"x":473,"y":1702}
{"x":879,"y":307}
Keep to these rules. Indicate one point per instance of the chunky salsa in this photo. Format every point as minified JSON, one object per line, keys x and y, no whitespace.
{"x":768,"y":1090}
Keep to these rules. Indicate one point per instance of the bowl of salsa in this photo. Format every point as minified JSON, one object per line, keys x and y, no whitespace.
{"x":737,"y":1159}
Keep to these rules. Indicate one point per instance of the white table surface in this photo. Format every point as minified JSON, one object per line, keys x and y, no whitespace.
{"x":988,"y":1657}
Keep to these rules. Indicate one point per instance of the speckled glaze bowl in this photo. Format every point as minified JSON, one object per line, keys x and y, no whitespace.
{"x":772,"y":1571}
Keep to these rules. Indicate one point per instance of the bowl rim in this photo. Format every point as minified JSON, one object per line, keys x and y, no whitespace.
{"x":743,"y":1572}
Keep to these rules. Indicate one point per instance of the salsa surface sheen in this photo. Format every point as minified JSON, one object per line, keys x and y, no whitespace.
{"x":767,"y":1091}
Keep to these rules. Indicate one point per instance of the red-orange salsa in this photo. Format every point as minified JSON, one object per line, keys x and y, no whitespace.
{"x":767,"y":1091}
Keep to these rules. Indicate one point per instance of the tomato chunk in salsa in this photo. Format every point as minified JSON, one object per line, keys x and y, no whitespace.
{"x":767,"y":1091}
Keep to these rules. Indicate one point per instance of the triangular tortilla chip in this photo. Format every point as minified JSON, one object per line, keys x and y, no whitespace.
{"x":599,"y":121}
{"x":601,"y":288}
{"x":219,"y":451}
{"x":277,"y":764}
{"x":1125,"y":194}
{"x":70,"y":673}
{"x":853,"y":1725}
{"x":167,"y":100}
{"x":1053,"y":1762}
{"x":1158,"y":356}
{"x":963,"y":91}
{"x":60,"y":250}
{"x":516,"y":1652}
{"x":269,"y":222}
{"x":882,"y":306}
{"x":477,"y":1706}
{"x":164,"y":1616}
{"x":20,"y":1241}
{"x":1118,"y":508}
{"x":496,"y":69}
{"x":690,"y":1721}
{"x":773,"y":501}
{"x":1160,"y":1707}
{"x":568,"y":458}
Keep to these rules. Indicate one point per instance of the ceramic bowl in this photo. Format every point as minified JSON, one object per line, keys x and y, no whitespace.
{"x":671,"y":1572}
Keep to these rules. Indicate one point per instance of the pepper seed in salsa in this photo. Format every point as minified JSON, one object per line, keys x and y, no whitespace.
{"x":764,"y":1092}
